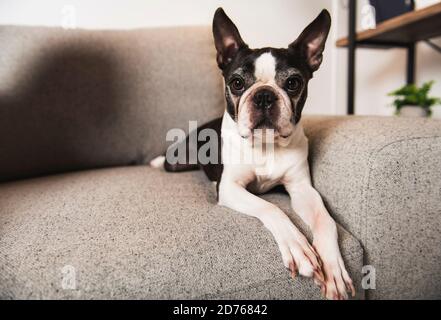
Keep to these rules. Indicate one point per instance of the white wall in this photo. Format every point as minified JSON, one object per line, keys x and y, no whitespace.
{"x":381,"y":71}
{"x":261,"y":23}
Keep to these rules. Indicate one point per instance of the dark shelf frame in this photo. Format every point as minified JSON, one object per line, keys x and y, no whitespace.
{"x":380,"y":40}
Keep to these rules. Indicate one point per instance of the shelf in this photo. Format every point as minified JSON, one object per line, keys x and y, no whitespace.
{"x":401,"y":31}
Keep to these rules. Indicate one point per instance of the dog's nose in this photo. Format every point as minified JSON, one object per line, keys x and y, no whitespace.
{"x":264,"y":98}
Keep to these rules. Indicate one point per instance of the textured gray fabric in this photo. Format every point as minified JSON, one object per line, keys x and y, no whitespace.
{"x":137,"y":232}
{"x":381,"y":179}
{"x":75,"y":99}
{"x":84,"y":99}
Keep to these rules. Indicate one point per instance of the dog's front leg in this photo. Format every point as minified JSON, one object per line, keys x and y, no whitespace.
{"x":297,"y":254}
{"x":308,"y":204}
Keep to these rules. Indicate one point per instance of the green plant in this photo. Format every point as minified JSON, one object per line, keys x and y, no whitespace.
{"x":411,"y":95}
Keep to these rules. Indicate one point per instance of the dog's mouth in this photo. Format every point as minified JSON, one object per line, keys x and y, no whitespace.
{"x":264,"y":128}
{"x":264,"y":124}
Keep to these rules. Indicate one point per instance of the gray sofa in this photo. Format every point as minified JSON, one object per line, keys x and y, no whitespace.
{"x":83,"y":217}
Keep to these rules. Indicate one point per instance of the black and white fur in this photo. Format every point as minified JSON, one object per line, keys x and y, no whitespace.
{"x":267,"y":89}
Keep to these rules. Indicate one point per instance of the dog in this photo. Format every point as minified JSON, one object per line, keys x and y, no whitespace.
{"x":265,"y":91}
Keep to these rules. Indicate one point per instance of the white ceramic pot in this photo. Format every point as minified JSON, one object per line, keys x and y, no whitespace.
{"x":413,"y":112}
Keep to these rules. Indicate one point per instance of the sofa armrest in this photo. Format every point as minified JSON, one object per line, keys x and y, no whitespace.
{"x":380,"y":177}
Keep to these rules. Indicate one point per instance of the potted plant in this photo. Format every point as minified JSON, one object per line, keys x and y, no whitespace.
{"x":412,"y":101}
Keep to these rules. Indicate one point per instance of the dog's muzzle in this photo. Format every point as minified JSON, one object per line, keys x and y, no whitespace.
{"x":264,"y":99}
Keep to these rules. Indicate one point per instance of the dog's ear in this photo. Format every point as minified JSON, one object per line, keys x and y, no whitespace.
{"x":311,"y":41}
{"x":226,"y":38}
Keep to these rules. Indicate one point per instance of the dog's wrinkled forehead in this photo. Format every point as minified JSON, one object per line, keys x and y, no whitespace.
{"x":266,"y":65}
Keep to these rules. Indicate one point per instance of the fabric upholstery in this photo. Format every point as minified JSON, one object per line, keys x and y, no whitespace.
{"x":76,"y":99}
{"x":137,"y":232}
{"x":381,"y":179}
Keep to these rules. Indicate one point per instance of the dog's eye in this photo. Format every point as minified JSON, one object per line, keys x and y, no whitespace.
{"x":293,"y":84}
{"x":237,"y":84}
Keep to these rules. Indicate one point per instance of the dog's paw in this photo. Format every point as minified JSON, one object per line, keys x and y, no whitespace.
{"x":298,"y":256}
{"x":337,"y":283}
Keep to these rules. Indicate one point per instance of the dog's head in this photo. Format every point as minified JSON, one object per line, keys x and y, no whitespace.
{"x":267,"y":88}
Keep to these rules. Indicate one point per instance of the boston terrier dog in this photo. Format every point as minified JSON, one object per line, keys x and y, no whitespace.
{"x":265,"y":91}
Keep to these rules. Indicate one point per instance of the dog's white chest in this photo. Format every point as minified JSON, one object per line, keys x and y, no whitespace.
{"x":263,"y":167}
{"x":271,"y":168}
{"x":266,"y":171}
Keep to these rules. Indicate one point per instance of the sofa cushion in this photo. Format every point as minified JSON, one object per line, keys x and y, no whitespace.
{"x":137,"y":232}
{"x":76,"y":99}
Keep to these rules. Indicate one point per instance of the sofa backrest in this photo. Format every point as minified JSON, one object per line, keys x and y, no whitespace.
{"x":77,"y":99}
